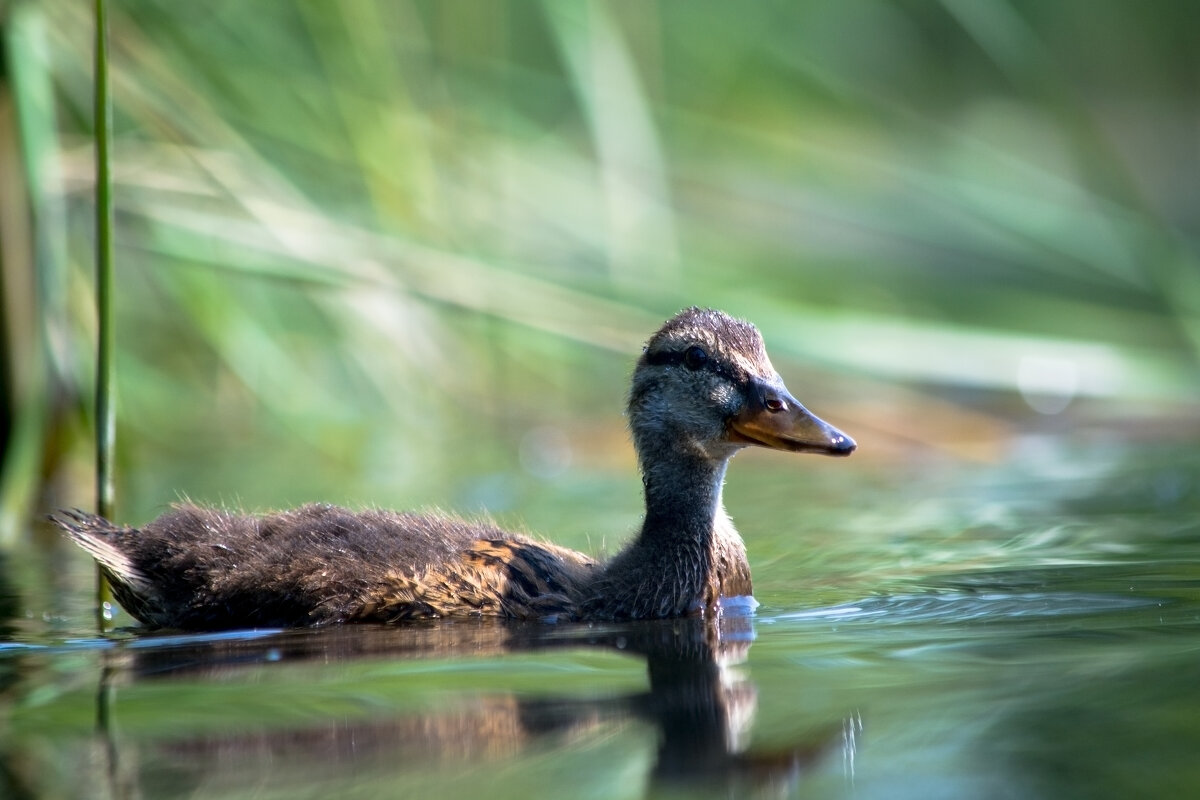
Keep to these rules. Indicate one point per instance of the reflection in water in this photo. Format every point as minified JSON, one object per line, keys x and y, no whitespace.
{"x":121,"y":781}
{"x":699,"y":704}
{"x":1054,"y":655}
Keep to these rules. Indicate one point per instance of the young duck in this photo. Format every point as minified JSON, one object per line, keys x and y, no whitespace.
{"x":703,"y":389}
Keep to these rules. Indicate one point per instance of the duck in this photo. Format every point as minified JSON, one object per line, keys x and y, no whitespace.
{"x":702,"y":389}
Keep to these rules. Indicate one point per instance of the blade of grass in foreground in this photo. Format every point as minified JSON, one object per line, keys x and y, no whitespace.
{"x":105,"y":387}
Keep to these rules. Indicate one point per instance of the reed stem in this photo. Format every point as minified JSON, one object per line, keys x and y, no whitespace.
{"x":105,"y":384}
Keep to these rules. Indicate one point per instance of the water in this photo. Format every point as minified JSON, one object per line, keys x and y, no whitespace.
{"x":1030,"y":630}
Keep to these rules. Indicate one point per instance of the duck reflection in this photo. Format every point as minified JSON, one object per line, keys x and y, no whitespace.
{"x":699,"y":703}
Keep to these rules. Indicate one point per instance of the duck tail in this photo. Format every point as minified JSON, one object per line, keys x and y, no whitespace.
{"x":102,"y":539}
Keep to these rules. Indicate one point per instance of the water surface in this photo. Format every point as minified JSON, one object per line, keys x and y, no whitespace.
{"x":1025,"y":630}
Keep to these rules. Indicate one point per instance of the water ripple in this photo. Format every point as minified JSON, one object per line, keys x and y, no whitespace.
{"x":963,"y":606}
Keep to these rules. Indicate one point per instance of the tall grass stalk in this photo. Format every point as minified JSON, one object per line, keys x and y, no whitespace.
{"x":105,"y":385}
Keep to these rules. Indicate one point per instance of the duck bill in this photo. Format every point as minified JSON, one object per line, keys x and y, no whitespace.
{"x":773,"y":418}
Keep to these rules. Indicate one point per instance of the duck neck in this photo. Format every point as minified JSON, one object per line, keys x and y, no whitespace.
{"x":683,"y":501}
{"x":681,"y":561}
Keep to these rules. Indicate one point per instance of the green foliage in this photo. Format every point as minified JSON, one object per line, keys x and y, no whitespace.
{"x":367,"y":249}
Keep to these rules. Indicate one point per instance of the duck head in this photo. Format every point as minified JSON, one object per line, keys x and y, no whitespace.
{"x":704,"y":383}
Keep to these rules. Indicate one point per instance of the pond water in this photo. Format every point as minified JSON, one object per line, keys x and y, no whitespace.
{"x":1025,"y":630}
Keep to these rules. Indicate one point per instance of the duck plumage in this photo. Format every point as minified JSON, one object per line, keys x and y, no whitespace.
{"x":702,"y":389}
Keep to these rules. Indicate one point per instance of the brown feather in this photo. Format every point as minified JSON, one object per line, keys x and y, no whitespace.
{"x":204,"y":568}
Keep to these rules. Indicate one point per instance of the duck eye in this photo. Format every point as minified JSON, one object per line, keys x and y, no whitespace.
{"x":694,"y":357}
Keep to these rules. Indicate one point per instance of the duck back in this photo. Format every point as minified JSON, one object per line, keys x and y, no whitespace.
{"x":200,"y":568}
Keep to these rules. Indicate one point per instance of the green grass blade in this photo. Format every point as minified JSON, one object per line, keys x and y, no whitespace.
{"x":106,"y":428}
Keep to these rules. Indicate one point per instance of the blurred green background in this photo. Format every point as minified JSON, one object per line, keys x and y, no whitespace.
{"x":405,"y":253}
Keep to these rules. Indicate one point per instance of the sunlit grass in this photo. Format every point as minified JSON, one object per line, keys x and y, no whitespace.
{"x":364,"y":250}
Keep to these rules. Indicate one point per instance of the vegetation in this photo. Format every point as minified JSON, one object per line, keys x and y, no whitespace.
{"x":390,"y":252}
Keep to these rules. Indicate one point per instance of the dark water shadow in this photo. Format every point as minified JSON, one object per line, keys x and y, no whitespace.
{"x":701,"y":707}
